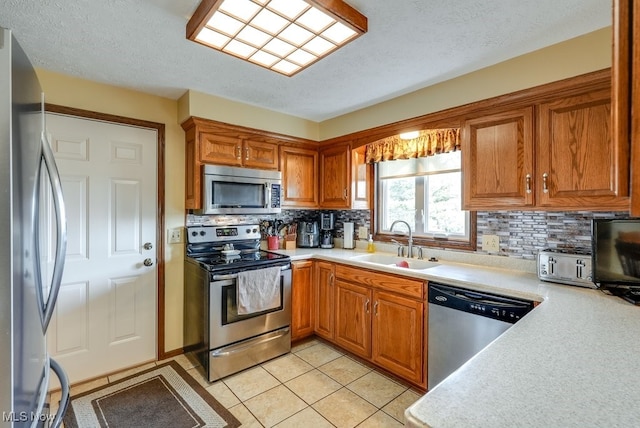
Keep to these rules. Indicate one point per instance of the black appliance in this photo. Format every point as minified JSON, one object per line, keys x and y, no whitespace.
{"x":327,"y":221}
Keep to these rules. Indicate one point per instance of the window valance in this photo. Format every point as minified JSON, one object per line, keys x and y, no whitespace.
{"x":428,"y":143}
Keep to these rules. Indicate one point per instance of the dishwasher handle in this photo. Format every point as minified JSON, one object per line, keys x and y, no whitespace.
{"x":502,"y":308}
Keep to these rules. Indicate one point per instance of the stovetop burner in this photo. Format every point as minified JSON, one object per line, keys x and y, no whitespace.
{"x":244,"y":259}
{"x":217,"y":248}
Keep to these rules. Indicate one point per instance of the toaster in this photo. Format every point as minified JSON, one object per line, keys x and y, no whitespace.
{"x":565,"y":268}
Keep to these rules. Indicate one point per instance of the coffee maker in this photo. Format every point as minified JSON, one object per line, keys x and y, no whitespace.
{"x":326,"y":230}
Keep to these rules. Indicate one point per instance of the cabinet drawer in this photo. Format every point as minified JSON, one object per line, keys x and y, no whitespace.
{"x":398,"y":284}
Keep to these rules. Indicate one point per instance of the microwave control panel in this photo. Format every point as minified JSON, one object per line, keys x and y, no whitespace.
{"x":275,"y":195}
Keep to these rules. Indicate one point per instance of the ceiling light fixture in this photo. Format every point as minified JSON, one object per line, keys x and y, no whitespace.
{"x":285,"y":36}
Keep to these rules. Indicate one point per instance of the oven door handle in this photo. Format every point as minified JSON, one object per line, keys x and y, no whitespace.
{"x":235,"y":275}
{"x":233,"y":349}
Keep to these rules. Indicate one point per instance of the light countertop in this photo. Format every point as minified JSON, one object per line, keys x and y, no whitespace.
{"x":568,"y":363}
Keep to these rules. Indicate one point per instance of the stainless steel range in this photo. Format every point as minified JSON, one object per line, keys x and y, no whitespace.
{"x":237,"y":299}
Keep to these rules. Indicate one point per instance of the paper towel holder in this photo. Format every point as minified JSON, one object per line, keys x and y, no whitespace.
{"x":348,"y":240}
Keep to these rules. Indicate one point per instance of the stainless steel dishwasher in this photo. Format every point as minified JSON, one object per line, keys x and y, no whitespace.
{"x":462,"y":322}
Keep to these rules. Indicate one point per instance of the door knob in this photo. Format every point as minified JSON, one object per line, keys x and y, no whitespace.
{"x":147,"y":246}
{"x":147,"y":262}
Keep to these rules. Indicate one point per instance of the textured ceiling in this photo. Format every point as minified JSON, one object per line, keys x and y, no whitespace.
{"x":411,"y":44}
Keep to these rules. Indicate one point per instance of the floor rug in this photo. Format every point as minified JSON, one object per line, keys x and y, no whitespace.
{"x":164,"y":396}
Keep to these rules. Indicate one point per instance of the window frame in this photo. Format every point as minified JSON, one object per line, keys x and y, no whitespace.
{"x":423,"y":241}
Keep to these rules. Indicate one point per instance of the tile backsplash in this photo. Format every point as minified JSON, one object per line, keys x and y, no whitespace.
{"x":521,"y":233}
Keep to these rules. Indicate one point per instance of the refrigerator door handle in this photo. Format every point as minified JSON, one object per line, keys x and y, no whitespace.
{"x":61,"y":230}
{"x":44,"y":391}
{"x":64,"y":386}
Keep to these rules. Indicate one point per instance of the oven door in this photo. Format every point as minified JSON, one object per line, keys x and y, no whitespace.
{"x":226,"y":326}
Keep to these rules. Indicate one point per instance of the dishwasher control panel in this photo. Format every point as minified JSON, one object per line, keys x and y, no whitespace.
{"x":488,"y":305}
{"x":565,"y":268}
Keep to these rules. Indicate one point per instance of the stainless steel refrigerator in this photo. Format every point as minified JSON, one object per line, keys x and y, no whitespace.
{"x":27,"y":294}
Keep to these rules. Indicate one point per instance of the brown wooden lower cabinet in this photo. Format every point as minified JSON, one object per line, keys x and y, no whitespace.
{"x":323,"y":293}
{"x":353,"y":317}
{"x":376,"y":316}
{"x":398,"y":335}
{"x":302,"y":321}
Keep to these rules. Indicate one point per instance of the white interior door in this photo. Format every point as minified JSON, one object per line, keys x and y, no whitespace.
{"x":105,"y":317}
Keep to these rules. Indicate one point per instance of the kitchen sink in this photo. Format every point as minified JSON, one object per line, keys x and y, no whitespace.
{"x":390,"y":260}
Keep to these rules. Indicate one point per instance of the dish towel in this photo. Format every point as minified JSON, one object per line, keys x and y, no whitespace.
{"x":258,"y":290}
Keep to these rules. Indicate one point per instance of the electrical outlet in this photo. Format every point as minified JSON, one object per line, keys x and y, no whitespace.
{"x":174,"y":236}
{"x":491,"y":243}
{"x":363,"y":233}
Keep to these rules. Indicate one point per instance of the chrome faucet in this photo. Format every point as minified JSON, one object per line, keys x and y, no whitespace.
{"x":409,"y":241}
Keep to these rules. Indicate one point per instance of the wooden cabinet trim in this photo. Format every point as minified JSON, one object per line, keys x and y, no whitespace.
{"x":382,"y":281}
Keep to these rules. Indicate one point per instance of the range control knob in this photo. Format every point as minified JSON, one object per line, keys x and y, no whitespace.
{"x":194,"y":233}
{"x":202,"y":233}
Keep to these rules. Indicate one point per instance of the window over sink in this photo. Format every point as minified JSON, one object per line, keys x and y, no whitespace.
{"x":425,"y":192}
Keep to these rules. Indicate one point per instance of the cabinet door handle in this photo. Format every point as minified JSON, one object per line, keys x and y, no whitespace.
{"x":375,"y":308}
{"x":246,"y":153}
{"x":331,"y":279}
{"x":366,"y":306}
{"x":528,"y":183}
{"x":545,"y":185}
{"x":344,"y":194}
{"x":238,"y":152}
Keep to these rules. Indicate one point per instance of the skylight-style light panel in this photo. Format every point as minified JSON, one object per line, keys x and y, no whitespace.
{"x":225,"y":24}
{"x":319,"y":46}
{"x":289,"y":8}
{"x":241,"y":9}
{"x":279,"y":47}
{"x":285,"y":36}
{"x":265,"y":59}
{"x":254,"y":36}
{"x":315,"y":20}
{"x":301,"y":57}
{"x":286,"y":67}
{"x":338,"y":33}
{"x":212,"y":38}
{"x":269,"y":22}
{"x":240,"y":49}
{"x":296,"y":35}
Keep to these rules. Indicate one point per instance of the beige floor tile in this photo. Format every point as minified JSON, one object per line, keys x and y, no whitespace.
{"x":247,"y":420}
{"x":306,"y":418}
{"x":187,"y":361}
{"x":121,"y":375}
{"x":397,"y":407}
{"x":343,"y":408}
{"x":344,"y":370}
{"x":303,"y":345}
{"x":318,"y":355}
{"x":287,"y":367}
{"x":376,"y":389}
{"x":198,"y":374}
{"x":313,"y":386}
{"x":380,"y":420}
{"x":223,"y":394}
{"x":88,"y":386}
{"x":251,"y":382}
{"x":274,"y":406}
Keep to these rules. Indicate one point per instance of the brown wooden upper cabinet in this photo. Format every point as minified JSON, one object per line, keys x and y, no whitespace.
{"x":335,"y":177}
{"x":361,"y":180}
{"x":211,"y":142}
{"x":237,"y":151}
{"x":497,"y":159}
{"x":569,"y":161}
{"x":626,"y":87}
{"x":299,"y":168}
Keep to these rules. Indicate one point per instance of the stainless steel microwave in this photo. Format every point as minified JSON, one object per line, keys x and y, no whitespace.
{"x":230,"y":190}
